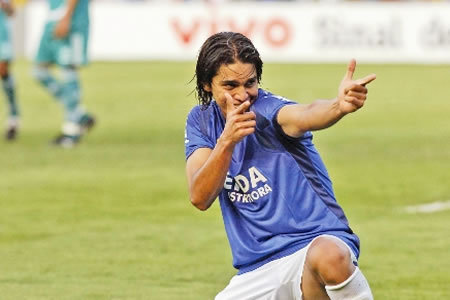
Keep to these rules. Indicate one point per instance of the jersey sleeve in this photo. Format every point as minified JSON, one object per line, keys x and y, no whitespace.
{"x":273,"y":107}
{"x":194,"y":136}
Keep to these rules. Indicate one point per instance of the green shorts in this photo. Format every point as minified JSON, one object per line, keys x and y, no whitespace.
{"x":6,"y":48}
{"x":70,"y":51}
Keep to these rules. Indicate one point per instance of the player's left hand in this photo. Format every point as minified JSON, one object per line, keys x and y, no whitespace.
{"x":62,"y":28}
{"x":353,"y":93}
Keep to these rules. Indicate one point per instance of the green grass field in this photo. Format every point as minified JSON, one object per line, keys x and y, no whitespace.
{"x":111,"y":219}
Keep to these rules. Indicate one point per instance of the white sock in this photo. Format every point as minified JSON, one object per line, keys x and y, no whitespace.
{"x":13,"y":121}
{"x":71,"y":128}
{"x":355,"y":287}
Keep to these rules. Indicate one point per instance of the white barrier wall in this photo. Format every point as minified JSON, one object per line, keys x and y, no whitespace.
{"x":304,"y":32}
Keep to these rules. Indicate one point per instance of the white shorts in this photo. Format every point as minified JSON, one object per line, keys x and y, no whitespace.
{"x":278,"y":279}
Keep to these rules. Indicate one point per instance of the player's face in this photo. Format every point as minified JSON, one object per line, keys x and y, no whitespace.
{"x":237,"y":79}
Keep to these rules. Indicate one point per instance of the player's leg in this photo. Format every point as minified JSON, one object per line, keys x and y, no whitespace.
{"x":10,"y":93}
{"x":71,"y":53}
{"x":71,"y":94}
{"x":78,"y":41}
{"x":329,"y":272}
{"x":6,"y":55}
{"x":66,"y":90}
{"x":73,"y":112}
{"x":43,"y":75}
{"x":76,"y":120}
{"x":44,"y":59}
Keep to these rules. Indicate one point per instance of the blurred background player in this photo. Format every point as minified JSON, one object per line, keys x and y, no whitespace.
{"x":64,"y":43}
{"x":6,"y":51}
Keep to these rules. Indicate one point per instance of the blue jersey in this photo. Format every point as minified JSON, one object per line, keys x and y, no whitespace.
{"x":277,"y":195}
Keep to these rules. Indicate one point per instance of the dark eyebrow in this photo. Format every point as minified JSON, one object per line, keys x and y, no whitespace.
{"x":235,"y":82}
{"x":229,"y":82}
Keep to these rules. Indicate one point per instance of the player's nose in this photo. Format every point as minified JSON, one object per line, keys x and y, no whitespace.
{"x":241,"y":95}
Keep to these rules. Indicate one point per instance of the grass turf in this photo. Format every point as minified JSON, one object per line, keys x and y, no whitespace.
{"x":111,"y":219}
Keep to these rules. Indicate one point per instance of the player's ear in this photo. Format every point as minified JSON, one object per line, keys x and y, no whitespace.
{"x":207,"y":87}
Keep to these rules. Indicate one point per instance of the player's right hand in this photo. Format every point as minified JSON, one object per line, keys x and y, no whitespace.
{"x":62,"y":28}
{"x":239,"y":121}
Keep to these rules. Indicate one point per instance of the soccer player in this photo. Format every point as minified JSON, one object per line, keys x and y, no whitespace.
{"x":6,"y":53}
{"x":64,"y":43}
{"x":289,"y":237}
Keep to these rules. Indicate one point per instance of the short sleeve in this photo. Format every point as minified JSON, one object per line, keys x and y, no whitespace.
{"x":195,"y":135}
{"x":271,"y":106}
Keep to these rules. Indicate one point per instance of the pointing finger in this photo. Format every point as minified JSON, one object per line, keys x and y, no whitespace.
{"x":243,"y":107}
{"x":350,"y":69}
{"x":367,"y":79}
{"x":229,"y":101}
{"x":237,"y":110}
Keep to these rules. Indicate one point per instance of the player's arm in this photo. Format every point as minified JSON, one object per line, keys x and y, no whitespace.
{"x":296,"y":119}
{"x":206,"y":169}
{"x":62,"y":28}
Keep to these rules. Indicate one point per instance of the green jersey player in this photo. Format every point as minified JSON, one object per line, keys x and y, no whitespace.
{"x":64,"y":44}
{"x":6,"y":53}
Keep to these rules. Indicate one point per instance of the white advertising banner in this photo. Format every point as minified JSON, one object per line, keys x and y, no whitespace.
{"x":304,"y":32}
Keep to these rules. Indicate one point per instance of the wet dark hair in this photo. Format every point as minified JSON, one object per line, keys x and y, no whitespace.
{"x":223,"y":48}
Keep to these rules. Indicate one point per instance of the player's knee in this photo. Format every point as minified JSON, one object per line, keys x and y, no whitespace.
{"x":330,"y":259}
{"x":40,"y":73}
{"x":69,"y":74}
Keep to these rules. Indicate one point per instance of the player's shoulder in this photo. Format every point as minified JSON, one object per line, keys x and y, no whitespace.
{"x":267,"y":103}
{"x":202,"y":114}
{"x":200,"y":110}
{"x":194,"y":110}
{"x":267,"y":98}
{"x":193,"y":115}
